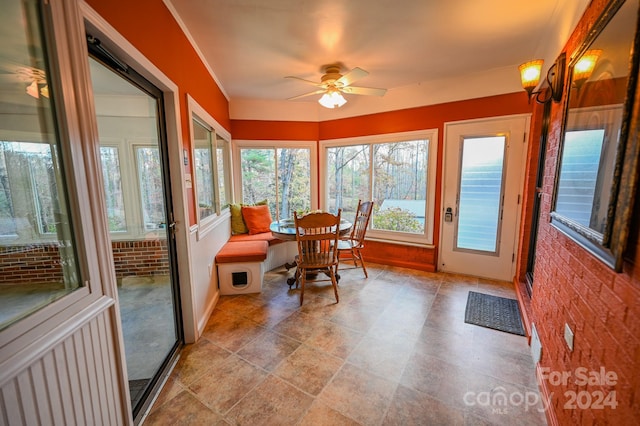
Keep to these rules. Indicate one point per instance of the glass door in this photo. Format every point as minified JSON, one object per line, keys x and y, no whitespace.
{"x":135,"y":170}
{"x":481,"y":197}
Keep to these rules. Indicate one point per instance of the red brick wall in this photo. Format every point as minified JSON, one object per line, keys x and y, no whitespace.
{"x":140,"y":258}
{"x":30,"y":263}
{"x":602,"y":307}
{"x":41,"y":262}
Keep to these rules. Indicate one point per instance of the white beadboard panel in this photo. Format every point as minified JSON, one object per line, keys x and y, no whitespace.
{"x":203,"y":274}
{"x":76,"y":382}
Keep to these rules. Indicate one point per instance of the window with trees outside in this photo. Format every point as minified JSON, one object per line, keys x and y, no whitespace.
{"x":211,"y":167}
{"x":211,"y":163}
{"x":281,"y":175}
{"x":396,"y":171}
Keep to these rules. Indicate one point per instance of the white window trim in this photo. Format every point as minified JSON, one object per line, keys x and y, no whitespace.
{"x":312,"y":146}
{"x":432,"y":136}
{"x":195,"y":111}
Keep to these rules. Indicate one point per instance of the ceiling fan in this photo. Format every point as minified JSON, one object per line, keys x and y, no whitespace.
{"x":333,"y":84}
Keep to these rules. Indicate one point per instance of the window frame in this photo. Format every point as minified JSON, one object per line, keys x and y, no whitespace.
{"x":198,"y":113}
{"x":312,"y":146}
{"x":431,"y":135}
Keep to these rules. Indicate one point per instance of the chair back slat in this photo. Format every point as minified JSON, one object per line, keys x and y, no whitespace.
{"x":361,"y":221}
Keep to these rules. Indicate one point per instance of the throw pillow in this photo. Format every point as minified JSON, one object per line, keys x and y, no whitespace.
{"x":257,"y":218}
{"x":237,"y":222}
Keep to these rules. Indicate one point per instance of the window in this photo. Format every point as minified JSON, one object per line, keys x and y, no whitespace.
{"x":203,"y":164}
{"x":38,"y":252}
{"x":396,"y":171}
{"x":281,"y":175}
{"x":211,"y":158}
{"x":112,"y":176}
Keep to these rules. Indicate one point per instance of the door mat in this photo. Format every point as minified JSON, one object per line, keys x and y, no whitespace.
{"x":494,"y":312}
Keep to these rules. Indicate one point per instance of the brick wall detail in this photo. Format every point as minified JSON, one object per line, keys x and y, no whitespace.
{"x":41,"y":262}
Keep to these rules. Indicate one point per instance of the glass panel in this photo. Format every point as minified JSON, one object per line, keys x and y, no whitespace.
{"x":204,"y":170}
{"x":400,"y":186}
{"x":480,"y":193}
{"x":224,"y":173}
{"x":348,"y":178}
{"x":259,"y":176}
{"x":579,"y":177}
{"x":38,"y":256}
{"x":142,"y":261}
{"x":151,"y":193}
{"x":288,"y":188}
{"x":110,"y":159}
{"x":294,"y":181}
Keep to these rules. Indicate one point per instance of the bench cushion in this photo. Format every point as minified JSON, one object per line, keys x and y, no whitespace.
{"x":263,"y":236}
{"x":243,"y":251}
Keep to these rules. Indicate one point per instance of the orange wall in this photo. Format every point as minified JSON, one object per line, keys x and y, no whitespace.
{"x":420,"y":118}
{"x":150,"y":27}
{"x":601,"y":306}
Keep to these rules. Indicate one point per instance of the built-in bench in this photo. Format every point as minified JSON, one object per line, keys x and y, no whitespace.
{"x":244,"y":259}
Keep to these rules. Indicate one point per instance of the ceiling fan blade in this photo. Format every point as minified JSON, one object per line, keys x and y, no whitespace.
{"x":315,"y":92}
{"x":313,"y":83}
{"x":351,"y":76}
{"x":364,"y":91}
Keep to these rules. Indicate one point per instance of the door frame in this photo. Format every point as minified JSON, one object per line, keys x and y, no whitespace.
{"x":508,"y":160}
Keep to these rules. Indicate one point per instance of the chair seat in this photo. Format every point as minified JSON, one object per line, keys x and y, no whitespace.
{"x":347,"y":244}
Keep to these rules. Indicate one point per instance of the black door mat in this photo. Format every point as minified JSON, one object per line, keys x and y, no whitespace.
{"x":494,"y":312}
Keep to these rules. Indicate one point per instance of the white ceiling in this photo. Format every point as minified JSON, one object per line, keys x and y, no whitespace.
{"x":423,"y":51}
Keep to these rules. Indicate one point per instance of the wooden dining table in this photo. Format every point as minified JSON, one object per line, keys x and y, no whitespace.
{"x":285,"y":230}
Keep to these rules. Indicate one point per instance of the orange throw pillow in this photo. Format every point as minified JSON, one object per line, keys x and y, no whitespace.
{"x":257,"y":218}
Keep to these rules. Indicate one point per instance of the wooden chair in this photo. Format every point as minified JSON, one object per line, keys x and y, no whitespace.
{"x":317,"y":237}
{"x":355,"y":241}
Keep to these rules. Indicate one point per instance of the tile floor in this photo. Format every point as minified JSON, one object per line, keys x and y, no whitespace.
{"x":394,"y":351}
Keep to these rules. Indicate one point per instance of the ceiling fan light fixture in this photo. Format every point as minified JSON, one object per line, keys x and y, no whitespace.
{"x":32,"y":90}
{"x":332,"y":99}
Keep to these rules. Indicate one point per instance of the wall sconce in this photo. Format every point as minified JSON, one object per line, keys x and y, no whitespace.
{"x":584,"y":67}
{"x":332,"y":99}
{"x":530,"y":76}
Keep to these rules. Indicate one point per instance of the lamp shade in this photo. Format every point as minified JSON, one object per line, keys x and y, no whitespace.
{"x":585,"y":65}
{"x":530,"y":74}
{"x":333,"y":99}
{"x":32,"y":89}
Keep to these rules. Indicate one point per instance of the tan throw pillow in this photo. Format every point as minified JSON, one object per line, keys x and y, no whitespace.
{"x":237,"y":222}
{"x":257,"y":218}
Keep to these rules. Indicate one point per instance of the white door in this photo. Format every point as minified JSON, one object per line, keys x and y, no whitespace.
{"x":482,"y":181}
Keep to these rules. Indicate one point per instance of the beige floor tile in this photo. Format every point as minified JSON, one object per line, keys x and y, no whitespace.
{"x":230,"y":330}
{"x":334,"y":339}
{"x":273,"y":402}
{"x":383,"y":355}
{"x":359,"y":394}
{"x":184,"y":409}
{"x":232,"y":381}
{"x":321,"y":415}
{"x":410,"y":407}
{"x":196,"y":359}
{"x":268,"y":349}
{"x":308,"y":369}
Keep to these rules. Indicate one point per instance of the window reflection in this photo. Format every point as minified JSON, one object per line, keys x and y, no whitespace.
{"x":38,"y":262}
